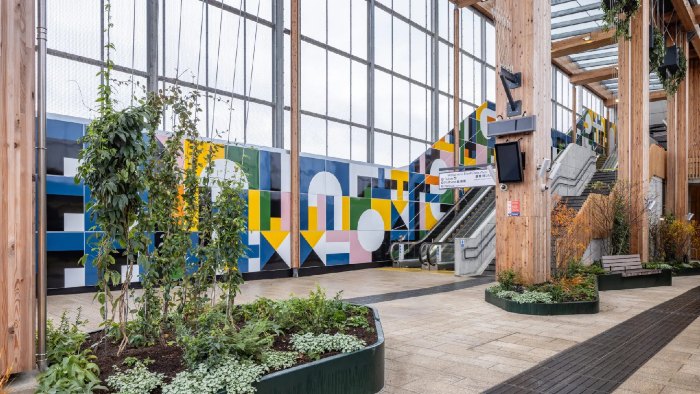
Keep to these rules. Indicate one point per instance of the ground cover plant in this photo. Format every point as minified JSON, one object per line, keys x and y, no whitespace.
{"x":575,"y":283}
{"x":158,"y":205}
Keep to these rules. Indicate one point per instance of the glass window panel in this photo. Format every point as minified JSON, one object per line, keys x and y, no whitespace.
{"x":287,"y":129}
{"x":419,"y":55}
{"x":443,"y":115}
{"x":382,"y":100}
{"x":402,"y":8}
{"x":313,"y":78}
{"x":260,"y":8}
{"x":128,"y":34}
{"x":402,"y":48}
{"x":402,"y":152}
{"x":339,"y":25}
{"x":69,"y":36}
{"x":187,"y":61}
{"x":402,"y":114}
{"x":478,"y":97}
{"x":490,"y":85}
{"x":468,"y":79}
{"x":226,"y":119}
{"x":313,"y":135}
{"x":490,"y":44}
{"x":419,"y":12}
{"x":417,"y":149}
{"x":450,"y":66}
{"x":359,"y":92}
{"x":71,"y":87}
{"x":477,"y":37}
{"x":382,"y":38}
{"x":228,"y":53}
{"x":259,"y":128}
{"x":126,"y":89}
{"x":313,"y":19}
{"x":338,"y":140}
{"x":419,"y":112}
{"x":286,"y":72}
{"x":444,"y":69}
{"x":287,"y":14}
{"x":259,"y":59}
{"x":443,"y":15}
{"x":359,"y":144}
{"x":338,"y":86}
{"x":359,"y":28}
{"x":382,"y":149}
{"x":467,"y":39}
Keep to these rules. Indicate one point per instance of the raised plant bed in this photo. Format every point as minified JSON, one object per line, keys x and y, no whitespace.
{"x":619,"y":282}
{"x":358,"y":372}
{"x":687,"y":272}
{"x":563,"y":308}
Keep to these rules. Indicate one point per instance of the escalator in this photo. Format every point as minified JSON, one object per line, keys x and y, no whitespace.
{"x":460,"y":218}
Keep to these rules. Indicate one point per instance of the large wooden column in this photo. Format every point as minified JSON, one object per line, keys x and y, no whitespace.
{"x":633,"y":108}
{"x":693,"y":78}
{"x":294,"y":131}
{"x":523,"y":44}
{"x":681,"y":179}
{"x":671,"y":157}
{"x":17,"y":264}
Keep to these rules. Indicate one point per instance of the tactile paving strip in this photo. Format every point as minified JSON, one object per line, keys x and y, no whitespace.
{"x":399,"y":295}
{"x":604,"y":362}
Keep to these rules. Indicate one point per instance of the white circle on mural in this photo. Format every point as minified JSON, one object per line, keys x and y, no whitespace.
{"x":370,"y":230}
{"x":435,"y":171}
{"x":225,"y":169}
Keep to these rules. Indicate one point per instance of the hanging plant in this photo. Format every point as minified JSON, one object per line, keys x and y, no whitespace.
{"x":617,"y":15}
{"x":657,"y":51}
{"x":673,"y":70}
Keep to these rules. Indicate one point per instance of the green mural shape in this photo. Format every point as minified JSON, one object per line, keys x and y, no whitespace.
{"x":264,"y":210}
{"x":247,"y":159}
{"x":358,"y":206}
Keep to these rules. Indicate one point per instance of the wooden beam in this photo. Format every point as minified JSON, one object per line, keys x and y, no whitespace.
{"x":523,"y":240}
{"x":17,"y":152}
{"x":597,"y":75}
{"x":570,"y":68}
{"x":582,"y":43}
{"x":294,"y":132}
{"x":690,"y":24}
{"x":657,"y":95}
{"x":465,"y":3}
{"x":683,"y":103}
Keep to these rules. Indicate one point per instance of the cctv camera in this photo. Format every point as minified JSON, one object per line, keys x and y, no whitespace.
{"x":503,"y":187}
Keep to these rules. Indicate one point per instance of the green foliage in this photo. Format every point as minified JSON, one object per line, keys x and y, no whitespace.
{"x":621,"y":226}
{"x":75,"y":373}
{"x":618,"y":16}
{"x":507,"y":279}
{"x":276,"y":360}
{"x":65,"y":339}
{"x":658,"y":266}
{"x":316,"y":345}
{"x":656,"y":55}
{"x":230,"y":376}
{"x":137,"y":380}
{"x":526,"y":297}
{"x":671,"y":81}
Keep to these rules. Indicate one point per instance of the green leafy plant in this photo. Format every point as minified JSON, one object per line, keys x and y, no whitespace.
{"x":65,"y":339}
{"x":658,"y":51}
{"x":658,"y":266}
{"x":75,"y":373}
{"x":617,"y":15}
{"x":276,"y":360}
{"x":508,"y":279}
{"x":316,"y":345}
{"x":136,"y":380}
{"x":231,"y":376}
{"x":672,"y":80}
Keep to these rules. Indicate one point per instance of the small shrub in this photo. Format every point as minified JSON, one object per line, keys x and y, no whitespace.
{"x":658,"y":266}
{"x":231,"y":376}
{"x":76,"y":373}
{"x":65,"y":339}
{"x":276,"y":360}
{"x":508,"y":279}
{"x":316,"y":345}
{"x":533,"y":297}
{"x":506,"y":294}
{"x":137,"y":380}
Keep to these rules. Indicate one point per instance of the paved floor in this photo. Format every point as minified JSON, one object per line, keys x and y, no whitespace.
{"x":451,"y":341}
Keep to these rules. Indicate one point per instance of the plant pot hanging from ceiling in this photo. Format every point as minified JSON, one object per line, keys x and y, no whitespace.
{"x":671,"y":61}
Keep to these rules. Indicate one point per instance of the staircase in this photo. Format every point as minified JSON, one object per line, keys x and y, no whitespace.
{"x":490,"y":269}
{"x":601,"y":183}
{"x":600,"y":161}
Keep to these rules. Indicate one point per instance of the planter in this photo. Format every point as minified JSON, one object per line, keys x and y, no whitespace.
{"x":357,"y":372}
{"x":618,"y":282}
{"x":687,"y":272}
{"x":564,"y":308}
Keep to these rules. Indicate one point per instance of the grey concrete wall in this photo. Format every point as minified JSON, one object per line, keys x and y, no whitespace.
{"x":572,"y":171}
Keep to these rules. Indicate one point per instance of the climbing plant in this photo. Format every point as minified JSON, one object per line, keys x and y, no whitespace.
{"x":617,"y":14}
{"x":671,"y":80}
{"x":658,"y":50}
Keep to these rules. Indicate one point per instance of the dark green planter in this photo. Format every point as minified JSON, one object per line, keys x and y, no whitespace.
{"x":687,"y":272}
{"x":565,"y":308}
{"x":618,"y":282}
{"x":358,"y":372}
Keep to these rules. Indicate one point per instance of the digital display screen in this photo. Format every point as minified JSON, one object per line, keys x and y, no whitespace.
{"x":509,"y":162}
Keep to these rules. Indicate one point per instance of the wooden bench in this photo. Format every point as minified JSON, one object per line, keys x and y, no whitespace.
{"x":627,"y":265}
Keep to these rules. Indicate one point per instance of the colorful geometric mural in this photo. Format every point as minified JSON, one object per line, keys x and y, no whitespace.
{"x":350,"y":211}
{"x":590,"y":132}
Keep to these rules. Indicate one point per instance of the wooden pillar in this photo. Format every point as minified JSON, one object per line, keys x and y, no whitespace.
{"x":671,"y":156}
{"x":17,"y":127}
{"x":456,"y":104}
{"x":693,"y":111}
{"x":633,"y":125}
{"x":639,"y":130}
{"x":574,"y":113}
{"x":294,"y":129}
{"x":682,"y":103}
{"x":524,"y":45}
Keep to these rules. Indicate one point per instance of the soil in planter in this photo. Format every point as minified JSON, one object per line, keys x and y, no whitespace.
{"x":168,"y":359}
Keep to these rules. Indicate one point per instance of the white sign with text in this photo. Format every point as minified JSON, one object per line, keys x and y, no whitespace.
{"x":471,"y":178}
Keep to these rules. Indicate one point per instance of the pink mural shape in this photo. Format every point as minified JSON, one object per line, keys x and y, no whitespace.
{"x":358,"y":254}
